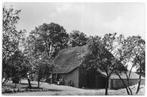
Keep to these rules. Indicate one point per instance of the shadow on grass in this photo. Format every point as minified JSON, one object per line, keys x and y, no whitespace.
{"x":41,"y":89}
{"x":27,"y":84}
{"x":54,"y":90}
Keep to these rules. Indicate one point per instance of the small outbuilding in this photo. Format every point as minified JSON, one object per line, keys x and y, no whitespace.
{"x":116,"y":83}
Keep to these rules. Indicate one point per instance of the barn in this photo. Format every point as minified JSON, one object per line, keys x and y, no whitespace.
{"x":68,"y":68}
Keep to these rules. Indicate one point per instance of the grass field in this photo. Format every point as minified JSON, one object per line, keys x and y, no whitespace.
{"x":51,"y":89}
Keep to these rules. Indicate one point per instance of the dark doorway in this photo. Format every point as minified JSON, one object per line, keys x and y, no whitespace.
{"x":91,"y":78}
{"x":100,"y":81}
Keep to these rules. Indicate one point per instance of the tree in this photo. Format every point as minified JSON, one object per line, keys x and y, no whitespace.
{"x":136,"y":51}
{"x":108,"y":42}
{"x":115,"y":45}
{"x":43,"y":68}
{"x":17,"y":67}
{"x":100,"y":58}
{"x":10,"y":36}
{"x":121,"y":49}
{"x":77,"y":38}
{"x":43,"y":44}
{"x":128,"y":51}
{"x":51,"y":37}
{"x":140,"y":60}
{"x":15,"y":63}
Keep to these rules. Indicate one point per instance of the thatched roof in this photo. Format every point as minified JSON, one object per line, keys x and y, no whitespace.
{"x":69,"y":59}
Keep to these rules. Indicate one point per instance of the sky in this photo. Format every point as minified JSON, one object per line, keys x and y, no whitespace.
{"x":91,"y":18}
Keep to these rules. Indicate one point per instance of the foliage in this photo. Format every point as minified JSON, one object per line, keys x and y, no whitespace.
{"x":100,"y":58}
{"x":77,"y":38}
{"x":137,"y":52}
{"x":42,"y":45}
{"x":128,"y":51}
{"x":17,"y":65}
{"x":10,"y":34}
{"x":11,"y":39}
{"x":50,"y":38}
{"x":108,"y":41}
{"x":135,"y":49}
{"x":45,"y":41}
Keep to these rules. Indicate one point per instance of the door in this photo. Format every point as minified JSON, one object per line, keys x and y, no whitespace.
{"x":91,"y":79}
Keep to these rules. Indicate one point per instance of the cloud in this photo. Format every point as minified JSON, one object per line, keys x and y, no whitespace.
{"x":115,"y":25}
{"x":123,"y":25}
{"x":63,"y":7}
{"x":90,"y":18}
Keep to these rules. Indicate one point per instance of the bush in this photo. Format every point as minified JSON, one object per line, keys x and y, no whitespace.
{"x":7,"y":90}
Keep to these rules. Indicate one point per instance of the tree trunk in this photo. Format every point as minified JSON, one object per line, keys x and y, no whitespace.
{"x":124,"y":84}
{"x":51,"y":78}
{"x":128,"y":84}
{"x":131,"y":93}
{"x":38,"y":80}
{"x":138,"y":87}
{"x":106,"y":87}
{"x":38,"y":83}
{"x":29,"y":83}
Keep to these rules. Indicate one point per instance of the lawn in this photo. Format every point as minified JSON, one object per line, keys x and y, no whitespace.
{"x":52,"y":89}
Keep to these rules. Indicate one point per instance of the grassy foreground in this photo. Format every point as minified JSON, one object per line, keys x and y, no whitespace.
{"x":51,"y":89}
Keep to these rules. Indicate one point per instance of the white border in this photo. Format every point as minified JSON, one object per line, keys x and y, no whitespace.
{"x":79,"y":1}
{"x":73,"y":0}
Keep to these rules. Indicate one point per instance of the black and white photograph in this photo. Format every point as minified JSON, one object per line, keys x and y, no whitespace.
{"x":73,"y":48}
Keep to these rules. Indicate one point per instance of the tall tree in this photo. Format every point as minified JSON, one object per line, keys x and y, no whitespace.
{"x":15,"y":63}
{"x":128,"y":51}
{"x":135,"y":48}
{"x":100,"y":58}
{"x":10,"y":36}
{"x":43,"y":45}
{"x":51,"y":38}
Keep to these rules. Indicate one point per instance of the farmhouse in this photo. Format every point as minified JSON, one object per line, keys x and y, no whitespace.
{"x":68,"y":67}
